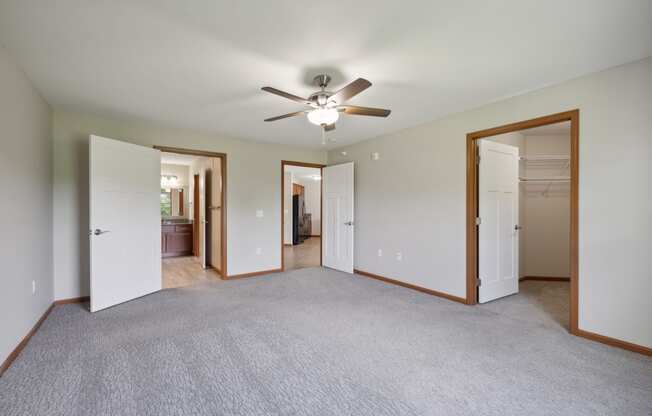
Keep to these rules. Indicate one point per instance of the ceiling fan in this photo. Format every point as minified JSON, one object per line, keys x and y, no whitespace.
{"x":326,"y":106}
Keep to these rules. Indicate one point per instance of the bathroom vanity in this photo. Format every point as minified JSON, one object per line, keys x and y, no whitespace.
{"x":176,"y":238}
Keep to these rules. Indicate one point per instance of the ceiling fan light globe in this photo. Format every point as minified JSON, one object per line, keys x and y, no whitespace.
{"x":323,"y":116}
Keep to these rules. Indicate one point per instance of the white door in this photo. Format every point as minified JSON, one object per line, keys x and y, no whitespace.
{"x":498,"y":212}
{"x":125,"y":221}
{"x":215,"y":213}
{"x":203,"y":221}
{"x":337,"y":244}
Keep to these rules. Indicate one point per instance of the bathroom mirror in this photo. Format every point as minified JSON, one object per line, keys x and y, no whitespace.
{"x":173,"y":202}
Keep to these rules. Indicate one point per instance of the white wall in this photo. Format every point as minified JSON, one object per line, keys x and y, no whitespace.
{"x":287,"y":209}
{"x":253,"y":183}
{"x":413,"y":198}
{"x":546,"y":228}
{"x":312,"y":198}
{"x":26,"y":208}
{"x":180,"y":171}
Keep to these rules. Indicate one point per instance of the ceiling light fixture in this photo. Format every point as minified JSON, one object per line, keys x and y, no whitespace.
{"x":323,"y":116}
{"x":169,"y":181}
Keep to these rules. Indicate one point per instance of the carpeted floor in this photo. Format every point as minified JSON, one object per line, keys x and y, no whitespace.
{"x":319,"y":342}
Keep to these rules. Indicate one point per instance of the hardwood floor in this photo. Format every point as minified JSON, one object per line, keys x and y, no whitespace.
{"x":302,"y":255}
{"x":185,"y":271}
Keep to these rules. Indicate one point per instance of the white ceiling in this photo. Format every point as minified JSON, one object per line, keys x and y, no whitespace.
{"x":200,"y":64}
{"x":549,"y":129}
{"x":302,"y":172}
{"x":178,"y":159}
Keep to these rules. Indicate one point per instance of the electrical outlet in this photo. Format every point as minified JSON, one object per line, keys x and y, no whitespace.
{"x":380,"y":252}
{"x":33,"y":287}
{"x":399,"y":256}
{"x":259,"y":251}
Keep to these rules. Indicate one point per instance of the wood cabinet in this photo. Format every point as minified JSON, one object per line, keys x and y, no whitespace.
{"x":176,"y":240}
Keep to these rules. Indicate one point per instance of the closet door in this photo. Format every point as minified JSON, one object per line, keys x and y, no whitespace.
{"x":498,"y":213}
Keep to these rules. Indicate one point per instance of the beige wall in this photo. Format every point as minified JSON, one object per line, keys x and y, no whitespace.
{"x":546,"y":224}
{"x":312,"y":199}
{"x":413,"y":199}
{"x":180,"y":171}
{"x":253,"y":183}
{"x":287,"y":209}
{"x":26,"y":208}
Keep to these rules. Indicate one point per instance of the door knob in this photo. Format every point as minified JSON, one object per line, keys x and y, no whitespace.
{"x":517,"y":227}
{"x":100,"y":232}
{"x":349,"y":223}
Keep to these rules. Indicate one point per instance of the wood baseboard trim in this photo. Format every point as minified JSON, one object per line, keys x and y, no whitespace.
{"x":316,"y":236}
{"x":545,"y":279}
{"x":80,"y":299}
{"x":16,"y":352}
{"x":580,"y":333}
{"x":243,"y":275}
{"x":614,"y":342}
{"x":410,"y":286}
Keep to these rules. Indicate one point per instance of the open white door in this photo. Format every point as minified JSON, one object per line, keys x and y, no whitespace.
{"x":337,"y":244}
{"x":214,"y":207}
{"x":498,"y":212}
{"x":125,"y":221}
{"x":203,"y":221}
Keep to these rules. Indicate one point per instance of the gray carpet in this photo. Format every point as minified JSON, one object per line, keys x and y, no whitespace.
{"x":318,"y":342}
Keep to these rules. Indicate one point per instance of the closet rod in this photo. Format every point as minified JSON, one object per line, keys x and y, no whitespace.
{"x":544,"y":179}
{"x":545,"y":157}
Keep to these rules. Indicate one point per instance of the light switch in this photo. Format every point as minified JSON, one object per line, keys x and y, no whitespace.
{"x":375,"y":156}
{"x":259,"y":213}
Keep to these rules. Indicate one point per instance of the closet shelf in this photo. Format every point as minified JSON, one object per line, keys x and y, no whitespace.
{"x":539,"y":158}
{"x":545,"y":180}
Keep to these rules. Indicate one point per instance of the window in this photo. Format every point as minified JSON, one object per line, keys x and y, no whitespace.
{"x":166,"y":203}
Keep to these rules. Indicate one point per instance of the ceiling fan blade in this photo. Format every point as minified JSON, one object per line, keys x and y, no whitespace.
{"x":287,"y":95}
{"x":350,"y":91}
{"x":363,"y":111}
{"x":296,"y":113}
{"x":329,"y":127}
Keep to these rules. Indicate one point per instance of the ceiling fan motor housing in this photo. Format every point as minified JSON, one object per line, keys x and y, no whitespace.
{"x":322,"y":80}
{"x":320,"y":98}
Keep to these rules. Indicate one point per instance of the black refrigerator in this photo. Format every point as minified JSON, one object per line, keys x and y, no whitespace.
{"x":298,"y":209}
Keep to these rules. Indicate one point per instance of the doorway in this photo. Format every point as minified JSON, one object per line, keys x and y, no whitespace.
{"x":301,"y":215}
{"x":522,"y":213}
{"x":193,"y":223}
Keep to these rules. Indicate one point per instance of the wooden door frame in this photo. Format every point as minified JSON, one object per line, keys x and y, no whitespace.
{"x":321,"y":167}
{"x":222,"y":156}
{"x":472,"y":203}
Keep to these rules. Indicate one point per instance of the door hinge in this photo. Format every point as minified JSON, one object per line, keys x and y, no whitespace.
{"x":478,"y":282}
{"x":478,"y":220}
{"x":477,"y":160}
